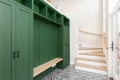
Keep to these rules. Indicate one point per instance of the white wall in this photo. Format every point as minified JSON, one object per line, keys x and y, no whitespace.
{"x":90,"y":19}
{"x":86,"y":14}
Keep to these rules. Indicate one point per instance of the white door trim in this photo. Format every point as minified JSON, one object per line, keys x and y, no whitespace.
{"x":111,"y":54}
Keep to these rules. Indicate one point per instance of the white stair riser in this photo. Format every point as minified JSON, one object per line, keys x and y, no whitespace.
{"x":91,"y":70}
{"x":91,"y":63}
{"x":91,"y":57}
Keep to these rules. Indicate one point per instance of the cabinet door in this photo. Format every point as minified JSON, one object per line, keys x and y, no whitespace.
{"x":6,"y":24}
{"x":66,"y":45}
{"x":23,"y":23}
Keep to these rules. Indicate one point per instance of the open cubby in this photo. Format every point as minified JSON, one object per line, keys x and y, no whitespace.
{"x":50,"y":13}
{"x":40,"y":7}
{"x":45,"y":41}
{"x":50,"y":38}
{"x":66,"y":21}
{"x":27,"y":3}
{"x":58,"y":18}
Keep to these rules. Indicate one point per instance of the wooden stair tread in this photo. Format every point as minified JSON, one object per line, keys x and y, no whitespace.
{"x":89,"y":48}
{"x":92,"y":66}
{"x":93,"y":53}
{"x":45,"y":66}
{"x":93,"y":60}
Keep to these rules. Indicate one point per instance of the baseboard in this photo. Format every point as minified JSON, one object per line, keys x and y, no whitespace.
{"x":91,"y":70}
{"x":92,"y":63}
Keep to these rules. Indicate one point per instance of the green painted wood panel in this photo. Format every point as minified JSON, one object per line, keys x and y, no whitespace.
{"x":27,"y":3}
{"x":36,"y":41}
{"x":31,"y":47}
{"x":66,"y":39}
{"x":63,"y":46}
{"x":36,"y":8}
{"x":45,"y":41}
{"x":23,"y":23}
{"x":60,"y":42}
{"x":52,"y":42}
{"x":66,"y":45}
{"x":6,"y":23}
{"x":60,"y":46}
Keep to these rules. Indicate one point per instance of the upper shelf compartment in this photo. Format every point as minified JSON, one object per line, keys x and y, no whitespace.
{"x":58,"y":18}
{"x":66,"y":21}
{"x":40,"y":7}
{"x":27,"y":3}
{"x":51,"y":13}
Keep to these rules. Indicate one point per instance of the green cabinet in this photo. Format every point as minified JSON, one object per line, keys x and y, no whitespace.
{"x":23,"y":25}
{"x":63,"y":46}
{"x":66,"y":45}
{"x":66,"y":42}
{"x":48,"y":39}
{"x":6,"y":24}
{"x":15,"y":55}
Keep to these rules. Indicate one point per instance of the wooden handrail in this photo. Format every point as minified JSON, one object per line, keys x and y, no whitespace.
{"x":105,"y":41}
{"x":95,"y":34}
{"x":105,"y":45}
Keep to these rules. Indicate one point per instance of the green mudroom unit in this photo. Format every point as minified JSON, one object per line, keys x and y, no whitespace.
{"x":34,"y":39}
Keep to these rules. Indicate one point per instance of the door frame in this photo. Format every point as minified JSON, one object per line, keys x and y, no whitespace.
{"x":111,"y":53}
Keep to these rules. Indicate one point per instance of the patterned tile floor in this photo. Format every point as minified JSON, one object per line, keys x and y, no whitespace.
{"x":70,"y":73}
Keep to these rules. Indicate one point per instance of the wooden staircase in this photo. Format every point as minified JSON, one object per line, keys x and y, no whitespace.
{"x":92,"y":60}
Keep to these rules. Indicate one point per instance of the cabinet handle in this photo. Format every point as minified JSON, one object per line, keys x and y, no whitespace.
{"x":18,"y":55}
{"x":14,"y":55}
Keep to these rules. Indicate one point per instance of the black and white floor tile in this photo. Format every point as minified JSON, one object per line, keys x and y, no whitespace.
{"x":70,"y":73}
